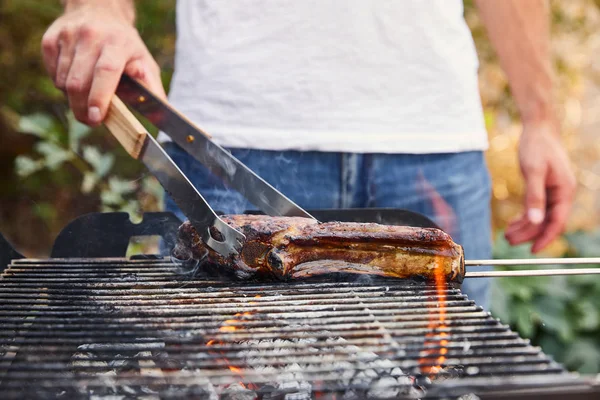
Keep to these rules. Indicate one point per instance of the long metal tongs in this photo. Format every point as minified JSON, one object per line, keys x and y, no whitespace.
{"x":140,"y":145}
{"x":200,"y":145}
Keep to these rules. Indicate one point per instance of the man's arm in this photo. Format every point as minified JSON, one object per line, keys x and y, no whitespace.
{"x":123,"y":8}
{"x":520,"y":33}
{"x":87,"y":49}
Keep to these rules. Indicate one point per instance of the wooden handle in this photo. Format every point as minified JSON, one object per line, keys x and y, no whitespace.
{"x":125,"y":127}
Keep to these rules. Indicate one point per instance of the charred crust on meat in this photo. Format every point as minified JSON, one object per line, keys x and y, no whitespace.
{"x":216,"y":234}
{"x":295,"y":247}
{"x":275,"y":262}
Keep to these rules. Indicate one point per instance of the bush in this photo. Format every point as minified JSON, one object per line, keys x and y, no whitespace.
{"x":561,"y":314}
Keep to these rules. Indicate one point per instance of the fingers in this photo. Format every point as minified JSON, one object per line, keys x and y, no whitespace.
{"x":66,"y":52}
{"x":50,"y":52}
{"x":535,"y":195}
{"x":525,"y":231}
{"x":559,"y":199}
{"x":147,"y":71}
{"x":80,"y":78}
{"x":530,"y":225}
{"x":517,"y":224}
{"x":107,"y":73}
{"x":557,"y":219}
{"x":86,"y":52}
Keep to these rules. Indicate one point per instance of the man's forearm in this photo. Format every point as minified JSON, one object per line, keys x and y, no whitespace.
{"x":520,"y":33}
{"x":124,"y":8}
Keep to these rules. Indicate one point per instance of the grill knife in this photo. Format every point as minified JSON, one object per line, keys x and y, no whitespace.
{"x":200,"y":145}
{"x":142,"y":146}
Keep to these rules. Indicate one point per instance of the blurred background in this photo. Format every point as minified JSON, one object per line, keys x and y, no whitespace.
{"x":53,"y":169}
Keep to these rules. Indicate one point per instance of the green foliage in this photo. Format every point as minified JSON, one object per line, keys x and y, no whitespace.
{"x":61,"y":169}
{"x":561,"y":314}
{"x":57,"y":147}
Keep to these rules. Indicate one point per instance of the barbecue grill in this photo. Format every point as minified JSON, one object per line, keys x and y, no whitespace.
{"x":90,"y":323}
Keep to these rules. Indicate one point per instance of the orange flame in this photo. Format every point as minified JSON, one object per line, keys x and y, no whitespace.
{"x":235,"y":370}
{"x":447,"y":220}
{"x":227,"y":329}
{"x":440,"y":323}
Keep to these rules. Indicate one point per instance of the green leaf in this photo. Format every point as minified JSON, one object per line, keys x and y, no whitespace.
{"x":588,"y":320}
{"x":503,"y":249}
{"x":90,"y":180}
{"x":121,"y":186}
{"x":46,"y":211}
{"x":101,"y":163}
{"x":77,"y":131}
{"x":37,"y":124}
{"x":560,"y":287}
{"x":584,"y":244}
{"x":584,"y":355}
{"x":110,"y":198}
{"x":25,"y":166}
{"x":518,"y":288}
{"x":46,"y":87}
{"x":552,"y":345}
{"x":501,"y":302}
{"x":133,"y":209}
{"x":523,"y":320}
{"x":551,"y":313}
{"x":580,"y":281}
{"x":152,"y":187}
{"x":54,"y":155}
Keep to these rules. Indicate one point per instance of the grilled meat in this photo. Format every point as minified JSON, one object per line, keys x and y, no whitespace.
{"x":294,"y":248}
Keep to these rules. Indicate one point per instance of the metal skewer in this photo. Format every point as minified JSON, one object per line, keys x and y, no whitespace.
{"x":532,"y":272}
{"x":534,"y":261}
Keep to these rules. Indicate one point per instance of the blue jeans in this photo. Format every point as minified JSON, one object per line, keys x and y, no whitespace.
{"x":452,"y":189}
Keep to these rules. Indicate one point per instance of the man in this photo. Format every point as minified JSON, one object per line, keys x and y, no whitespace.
{"x":341,"y":103}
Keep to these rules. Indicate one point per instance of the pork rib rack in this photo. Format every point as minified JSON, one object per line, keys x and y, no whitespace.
{"x":294,"y":248}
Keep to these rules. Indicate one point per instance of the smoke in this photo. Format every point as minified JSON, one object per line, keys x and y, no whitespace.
{"x":187,"y":265}
{"x":443,"y":213}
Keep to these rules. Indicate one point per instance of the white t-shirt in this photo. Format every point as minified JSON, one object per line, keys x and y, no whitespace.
{"x":379,"y":76}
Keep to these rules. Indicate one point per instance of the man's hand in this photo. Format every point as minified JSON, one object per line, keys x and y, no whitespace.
{"x":520,"y":33}
{"x":87,"y":50}
{"x":549,"y":187}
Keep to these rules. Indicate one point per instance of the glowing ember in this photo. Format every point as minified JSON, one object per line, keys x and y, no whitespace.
{"x":210,"y":342}
{"x":227,"y":329}
{"x":235,"y":370}
{"x":244,"y":314}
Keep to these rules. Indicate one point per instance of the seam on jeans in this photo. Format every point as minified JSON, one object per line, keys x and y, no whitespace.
{"x":370,"y":186}
{"x":349,"y":179}
{"x":344,"y":180}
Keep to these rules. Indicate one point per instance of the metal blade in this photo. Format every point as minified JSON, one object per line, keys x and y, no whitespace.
{"x":198,"y":144}
{"x":533,"y":272}
{"x":534,"y":261}
{"x":190,"y":201}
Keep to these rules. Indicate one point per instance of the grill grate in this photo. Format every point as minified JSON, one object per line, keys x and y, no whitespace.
{"x":96,"y":328}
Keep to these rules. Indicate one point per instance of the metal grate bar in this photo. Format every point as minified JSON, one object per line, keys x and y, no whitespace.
{"x":120,"y":327}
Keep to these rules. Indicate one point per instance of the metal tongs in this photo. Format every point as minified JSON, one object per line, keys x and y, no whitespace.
{"x":218,"y":235}
{"x":136,"y":140}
